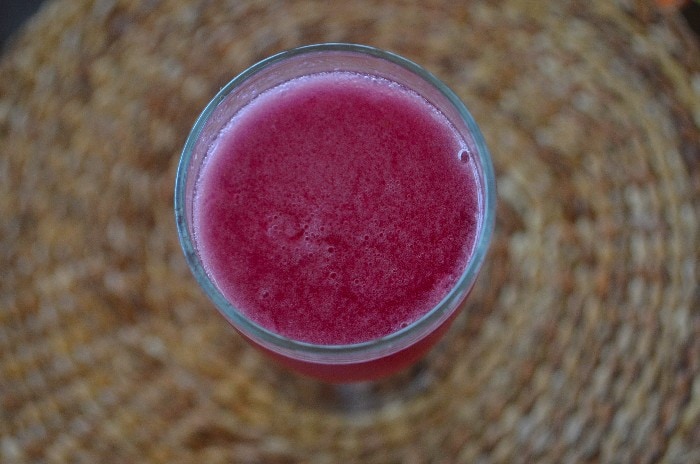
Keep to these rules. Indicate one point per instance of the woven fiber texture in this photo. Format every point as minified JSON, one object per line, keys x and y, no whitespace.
{"x":580,"y":342}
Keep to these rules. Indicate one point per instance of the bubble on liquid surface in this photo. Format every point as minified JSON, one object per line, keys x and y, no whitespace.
{"x":283,"y":227}
{"x":463,"y":155}
{"x":264,"y":293}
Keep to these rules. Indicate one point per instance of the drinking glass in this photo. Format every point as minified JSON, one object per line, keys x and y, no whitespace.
{"x":372,"y":359}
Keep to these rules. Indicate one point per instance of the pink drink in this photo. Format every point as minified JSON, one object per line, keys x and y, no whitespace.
{"x":336,"y":209}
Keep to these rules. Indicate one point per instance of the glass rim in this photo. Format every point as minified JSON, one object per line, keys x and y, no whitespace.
{"x":382,"y":346}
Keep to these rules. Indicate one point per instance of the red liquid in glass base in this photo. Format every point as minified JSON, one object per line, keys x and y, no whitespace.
{"x":335,"y":209}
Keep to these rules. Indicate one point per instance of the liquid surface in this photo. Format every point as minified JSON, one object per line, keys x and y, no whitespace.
{"x":336,"y":208}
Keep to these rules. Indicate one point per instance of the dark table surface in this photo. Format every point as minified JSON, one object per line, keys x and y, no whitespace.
{"x":13,"y":13}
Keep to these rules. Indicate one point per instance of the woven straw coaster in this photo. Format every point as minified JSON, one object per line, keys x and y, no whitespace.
{"x":580,"y":343}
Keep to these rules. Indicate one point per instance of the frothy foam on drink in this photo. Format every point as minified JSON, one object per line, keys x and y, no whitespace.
{"x":333,"y":210}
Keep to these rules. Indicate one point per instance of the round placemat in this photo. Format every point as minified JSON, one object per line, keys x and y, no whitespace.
{"x":580,"y":342}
